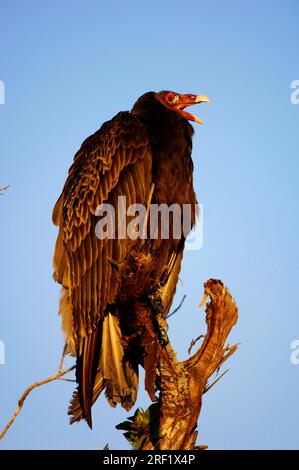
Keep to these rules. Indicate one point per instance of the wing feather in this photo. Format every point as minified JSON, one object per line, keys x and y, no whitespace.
{"x":116,"y":160}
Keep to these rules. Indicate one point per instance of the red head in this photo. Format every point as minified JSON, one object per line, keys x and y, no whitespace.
{"x":178,"y":102}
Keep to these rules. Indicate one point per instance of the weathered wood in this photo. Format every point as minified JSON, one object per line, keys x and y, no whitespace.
{"x":182,"y":384}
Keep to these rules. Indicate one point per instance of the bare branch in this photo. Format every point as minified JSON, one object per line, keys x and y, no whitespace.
{"x":193,"y":342}
{"x":177,"y":308}
{"x":3,"y":189}
{"x":27,"y":392}
{"x":62,"y":358}
{"x":208,"y":387}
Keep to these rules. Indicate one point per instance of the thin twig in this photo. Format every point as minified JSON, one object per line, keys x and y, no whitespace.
{"x":4,"y":188}
{"x":177,"y":308}
{"x":27,"y":392}
{"x":67,"y":380}
{"x":62,"y":358}
{"x":193,"y":343}
{"x":208,"y":387}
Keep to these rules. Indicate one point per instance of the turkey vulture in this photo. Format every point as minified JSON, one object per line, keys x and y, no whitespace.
{"x":110,"y":286}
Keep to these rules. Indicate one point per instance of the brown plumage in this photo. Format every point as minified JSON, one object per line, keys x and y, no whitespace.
{"x":106,"y":284}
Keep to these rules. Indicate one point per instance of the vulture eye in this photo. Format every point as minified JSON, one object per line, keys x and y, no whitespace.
{"x":174,"y":99}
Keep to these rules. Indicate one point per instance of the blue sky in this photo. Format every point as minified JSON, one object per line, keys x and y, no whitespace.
{"x":70,"y":65}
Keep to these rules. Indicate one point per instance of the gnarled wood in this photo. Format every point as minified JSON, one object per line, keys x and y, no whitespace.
{"x":182,"y":384}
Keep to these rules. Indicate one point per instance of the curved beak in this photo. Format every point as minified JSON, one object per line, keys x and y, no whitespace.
{"x":189,"y":100}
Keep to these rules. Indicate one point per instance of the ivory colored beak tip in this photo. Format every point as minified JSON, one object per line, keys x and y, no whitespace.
{"x":199,"y":121}
{"x":203,"y":99}
{"x":207,"y":100}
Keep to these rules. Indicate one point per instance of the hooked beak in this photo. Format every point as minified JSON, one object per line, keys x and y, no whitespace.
{"x":189,"y":100}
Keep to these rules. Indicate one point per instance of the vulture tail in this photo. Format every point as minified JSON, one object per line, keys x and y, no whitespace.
{"x":103,"y":364}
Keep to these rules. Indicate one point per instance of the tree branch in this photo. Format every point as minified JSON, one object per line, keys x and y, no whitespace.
{"x":3,"y":189}
{"x":28,"y":391}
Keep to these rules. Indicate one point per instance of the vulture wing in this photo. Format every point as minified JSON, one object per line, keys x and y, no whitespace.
{"x":115,"y":161}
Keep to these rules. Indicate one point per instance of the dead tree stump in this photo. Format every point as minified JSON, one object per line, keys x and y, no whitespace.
{"x":171,"y":422}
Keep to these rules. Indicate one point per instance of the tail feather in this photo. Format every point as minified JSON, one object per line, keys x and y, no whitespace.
{"x":103,"y":364}
{"x":75,"y":410}
{"x":120,"y":375}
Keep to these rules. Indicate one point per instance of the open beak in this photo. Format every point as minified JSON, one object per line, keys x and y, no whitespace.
{"x":189,"y":100}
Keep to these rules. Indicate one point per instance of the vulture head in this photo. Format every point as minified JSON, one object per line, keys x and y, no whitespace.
{"x":150,"y":103}
{"x":178,"y":102}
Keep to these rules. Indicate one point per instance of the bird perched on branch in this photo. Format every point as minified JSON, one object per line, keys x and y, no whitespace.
{"x":111,"y":285}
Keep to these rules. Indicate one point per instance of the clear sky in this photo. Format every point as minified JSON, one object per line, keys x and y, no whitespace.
{"x":68,"y":66}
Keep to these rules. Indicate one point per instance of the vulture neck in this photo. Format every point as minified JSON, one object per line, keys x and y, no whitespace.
{"x":170,"y":136}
